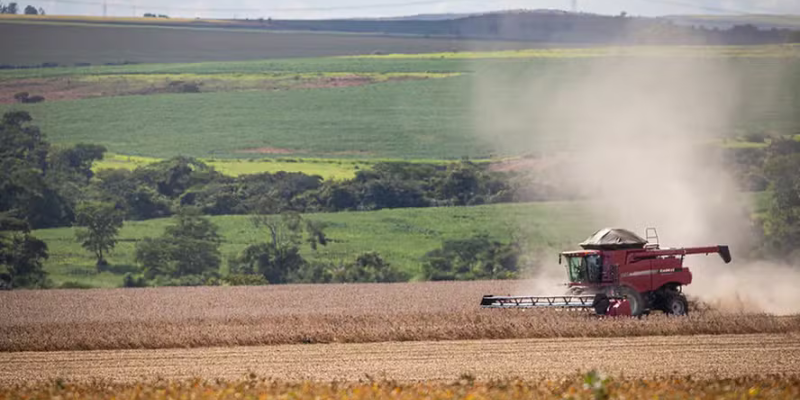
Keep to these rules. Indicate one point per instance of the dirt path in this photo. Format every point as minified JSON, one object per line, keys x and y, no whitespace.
{"x":699,"y":356}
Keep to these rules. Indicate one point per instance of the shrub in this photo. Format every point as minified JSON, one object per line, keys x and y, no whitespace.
{"x":245,"y":280}
{"x":34,"y":99}
{"x":134,"y":281}
{"x":21,"y":97}
{"x":75,"y":285}
{"x":25,"y":97}
{"x":477,"y":257}
{"x":756,"y":137}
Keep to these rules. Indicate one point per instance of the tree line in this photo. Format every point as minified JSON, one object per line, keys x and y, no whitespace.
{"x":13,"y":8}
{"x":49,"y":186}
{"x":556,"y":27}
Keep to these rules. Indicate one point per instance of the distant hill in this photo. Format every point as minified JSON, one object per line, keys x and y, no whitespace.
{"x":536,"y":26}
{"x":550,"y":26}
{"x":419,"y":17}
{"x":729,"y":21}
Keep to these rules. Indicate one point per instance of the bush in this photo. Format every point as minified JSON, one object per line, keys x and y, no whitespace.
{"x":190,"y":247}
{"x":188,"y":280}
{"x":25,"y":97}
{"x":183,"y":87}
{"x":756,"y":137}
{"x":75,"y":285}
{"x":134,"y":281}
{"x":245,"y":280}
{"x":370,"y":267}
{"x":471,"y":259}
{"x":34,"y":99}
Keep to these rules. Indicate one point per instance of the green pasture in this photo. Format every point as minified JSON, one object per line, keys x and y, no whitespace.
{"x":408,"y":119}
{"x":401,"y":236}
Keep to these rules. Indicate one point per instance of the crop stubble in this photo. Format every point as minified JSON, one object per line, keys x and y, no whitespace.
{"x":286,"y":314}
{"x":720,"y":356}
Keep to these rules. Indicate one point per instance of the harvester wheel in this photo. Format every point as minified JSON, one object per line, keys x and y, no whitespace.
{"x":601,"y":304}
{"x":676,"y":304}
{"x":634,"y":298}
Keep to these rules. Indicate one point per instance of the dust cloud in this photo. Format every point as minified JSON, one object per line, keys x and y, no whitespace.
{"x":635,"y":137}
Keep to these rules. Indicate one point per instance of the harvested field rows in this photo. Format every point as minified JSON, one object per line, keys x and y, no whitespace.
{"x":235,"y":316}
{"x":722,"y":356}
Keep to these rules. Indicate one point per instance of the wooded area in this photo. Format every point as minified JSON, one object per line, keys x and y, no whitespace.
{"x":48,"y":186}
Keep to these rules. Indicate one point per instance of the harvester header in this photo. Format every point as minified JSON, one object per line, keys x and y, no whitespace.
{"x":618,"y":270}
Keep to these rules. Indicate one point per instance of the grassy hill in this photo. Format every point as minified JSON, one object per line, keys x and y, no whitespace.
{"x":401,"y":236}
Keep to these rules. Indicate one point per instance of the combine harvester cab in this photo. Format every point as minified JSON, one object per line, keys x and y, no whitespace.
{"x":619,"y":273}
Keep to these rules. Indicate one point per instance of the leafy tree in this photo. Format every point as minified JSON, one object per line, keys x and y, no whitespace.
{"x":370,"y":267}
{"x":190,"y":247}
{"x":11,"y":8}
{"x":101,"y":222}
{"x":77,"y":159}
{"x":21,"y":255}
{"x":31,"y":10}
{"x":175,"y":176}
{"x":23,"y":188}
{"x":155,"y":257}
{"x":278,"y":259}
{"x":335,"y":196}
{"x":189,"y":224}
{"x":782,"y":219}
{"x":275,"y":264}
{"x":382,"y":193}
{"x":461,"y":184}
{"x":477,"y":257}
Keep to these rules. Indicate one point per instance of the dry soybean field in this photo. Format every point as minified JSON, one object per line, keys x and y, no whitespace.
{"x":303,"y":314}
{"x":406,"y":340}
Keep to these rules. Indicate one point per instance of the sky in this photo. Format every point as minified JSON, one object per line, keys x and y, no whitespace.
{"x":318,"y":9}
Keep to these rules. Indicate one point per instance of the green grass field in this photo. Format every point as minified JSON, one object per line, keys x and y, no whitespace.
{"x":401,"y":236}
{"x":412,"y":119}
{"x":398,"y":120}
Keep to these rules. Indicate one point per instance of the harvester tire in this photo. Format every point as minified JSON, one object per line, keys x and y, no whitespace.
{"x":601,"y":304}
{"x":634,"y":298}
{"x":676,"y":304}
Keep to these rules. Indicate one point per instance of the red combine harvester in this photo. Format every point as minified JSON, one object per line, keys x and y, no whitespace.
{"x":619,"y":273}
